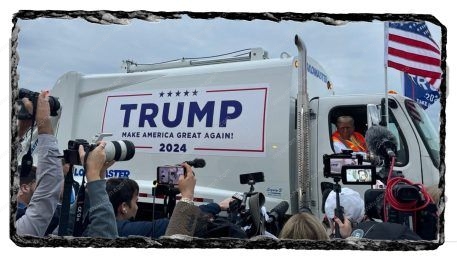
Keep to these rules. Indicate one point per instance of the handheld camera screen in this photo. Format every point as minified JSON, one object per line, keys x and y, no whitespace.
{"x":363,"y":175}
{"x":334,"y":163}
{"x":169,"y":174}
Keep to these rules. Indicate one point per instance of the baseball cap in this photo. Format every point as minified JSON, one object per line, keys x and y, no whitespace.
{"x":354,"y":207}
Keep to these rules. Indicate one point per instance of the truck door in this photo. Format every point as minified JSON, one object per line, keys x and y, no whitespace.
{"x":324,"y":114}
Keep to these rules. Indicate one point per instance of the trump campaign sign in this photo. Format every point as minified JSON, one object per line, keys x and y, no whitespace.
{"x":418,"y":89}
{"x":227,"y":120}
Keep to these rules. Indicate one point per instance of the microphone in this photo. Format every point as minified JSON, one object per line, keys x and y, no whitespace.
{"x":381,"y":142}
{"x":278,"y":211}
{"x":197,"y":163}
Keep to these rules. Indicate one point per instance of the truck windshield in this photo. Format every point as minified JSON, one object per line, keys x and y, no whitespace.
{"x":426,"y":130}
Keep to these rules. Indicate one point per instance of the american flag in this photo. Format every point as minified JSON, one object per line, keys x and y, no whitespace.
{"x":411,"y":49}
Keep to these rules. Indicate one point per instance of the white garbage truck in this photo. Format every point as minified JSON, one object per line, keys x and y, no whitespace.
{"x":241,"y":115}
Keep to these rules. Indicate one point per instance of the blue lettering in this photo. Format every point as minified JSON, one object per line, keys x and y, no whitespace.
{"x":117,"y":173}
{"x":166,"y":115}
{"x":225,"y":105}
{"x":81,"y":172}
{"x":422,"y":82}
{"x":34,"y":145}
{"x":128,"y":108}
{"x":194,"y":110}
{"x":148,"y":117}
{"x":321,"y":76}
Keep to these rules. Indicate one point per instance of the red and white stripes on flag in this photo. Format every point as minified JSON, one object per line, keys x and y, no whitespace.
{"x":411,"y":49}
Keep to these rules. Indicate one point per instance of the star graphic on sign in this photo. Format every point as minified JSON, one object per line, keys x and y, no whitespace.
{"x":169,"y":93}
{"x":178,"y":93}
{"x":161,"y":94}
{"x":186,"y":93}
{"x":194,"y":92}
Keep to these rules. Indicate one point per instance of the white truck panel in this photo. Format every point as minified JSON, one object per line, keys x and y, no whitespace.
{"x":84,"y":98}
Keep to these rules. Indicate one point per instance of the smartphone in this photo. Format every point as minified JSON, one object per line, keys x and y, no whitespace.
{"x":169,"y":174}
{"x":254,"y":177}
{"x":359,"y":174}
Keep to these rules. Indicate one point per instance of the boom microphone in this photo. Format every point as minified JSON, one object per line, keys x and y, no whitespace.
{"x":278,"y":211}
{"x":197,"y":163}
{"x":381,"y":142}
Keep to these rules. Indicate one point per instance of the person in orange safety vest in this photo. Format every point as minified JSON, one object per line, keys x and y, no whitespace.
{"x":345,"y":137}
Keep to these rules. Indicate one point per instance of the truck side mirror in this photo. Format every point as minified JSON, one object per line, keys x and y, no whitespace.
{"x":373,"y":116}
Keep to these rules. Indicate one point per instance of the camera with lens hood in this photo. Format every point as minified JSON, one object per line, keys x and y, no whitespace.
{"x":121,"y":150}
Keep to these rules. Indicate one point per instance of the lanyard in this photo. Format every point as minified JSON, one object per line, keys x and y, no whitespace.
{"x":79,"y":220}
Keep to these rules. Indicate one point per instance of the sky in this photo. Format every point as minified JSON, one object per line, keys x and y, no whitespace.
{"x":50,"y":48}
{"x":352,"y":53}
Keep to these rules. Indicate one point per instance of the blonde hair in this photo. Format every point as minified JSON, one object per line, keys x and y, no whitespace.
{"x":435,"y":193}
{"x":303,"y":226}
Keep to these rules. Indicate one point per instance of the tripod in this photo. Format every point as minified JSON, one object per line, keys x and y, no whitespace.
{"x":169,"y":201}
{"x":339,"y":211}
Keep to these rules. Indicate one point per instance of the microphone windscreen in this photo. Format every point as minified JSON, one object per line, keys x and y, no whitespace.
{"x":197,"y":163}
{"x":378,"y":138}
{"x":281,"y":208}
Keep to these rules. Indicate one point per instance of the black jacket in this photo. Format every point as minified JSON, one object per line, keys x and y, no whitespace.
{"x":384,"y":231}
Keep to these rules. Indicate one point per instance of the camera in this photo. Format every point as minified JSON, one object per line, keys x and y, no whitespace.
{"x":169,"y":175}
{"x":121,"y":150}
{"x":405,"y":193}
{"x":333,"y":163}
{"x":23,"y":114}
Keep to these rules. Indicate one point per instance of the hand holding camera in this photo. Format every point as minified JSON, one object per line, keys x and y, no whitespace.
{"x":40,"y":101}
{"x":186,"y":184}
{"x":95,"y":161}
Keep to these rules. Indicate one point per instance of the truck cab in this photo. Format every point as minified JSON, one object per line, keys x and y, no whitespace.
{"x":418,"y":143}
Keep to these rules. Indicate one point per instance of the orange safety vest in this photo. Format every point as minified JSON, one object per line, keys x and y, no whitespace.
{"x":356,"y":142}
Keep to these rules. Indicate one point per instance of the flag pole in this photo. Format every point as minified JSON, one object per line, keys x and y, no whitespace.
{"x":385,"y":119}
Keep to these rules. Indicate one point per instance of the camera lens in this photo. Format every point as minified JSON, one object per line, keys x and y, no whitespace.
{"x":121,"y":150}
{"x":54,"y":105}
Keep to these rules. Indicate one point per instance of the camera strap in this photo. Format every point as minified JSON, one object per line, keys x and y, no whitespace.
{"x":79,"y":218}
{"x":27,"y":159}
{"x":78,"y":228}
{"x":65,"y":208}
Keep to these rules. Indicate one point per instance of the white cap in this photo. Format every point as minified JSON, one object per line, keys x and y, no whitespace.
{"x":354,"y":206}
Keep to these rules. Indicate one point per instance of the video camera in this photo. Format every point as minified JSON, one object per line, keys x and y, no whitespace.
{"x":405,"y":203}
{"x":253,"y":219}
{"x":347,"y":168}
{"x":121,"y":150}
{"x":334,"y":163}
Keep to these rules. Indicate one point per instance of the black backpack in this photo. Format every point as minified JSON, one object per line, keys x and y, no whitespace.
{"x":219,"y":227}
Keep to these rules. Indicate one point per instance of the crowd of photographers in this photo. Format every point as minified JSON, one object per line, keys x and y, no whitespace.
{"x":109,"y":205}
